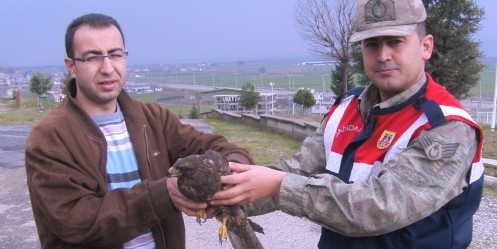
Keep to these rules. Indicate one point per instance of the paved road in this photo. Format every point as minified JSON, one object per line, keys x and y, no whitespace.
{"x":16,"y":220}
{"x":17,"y":228}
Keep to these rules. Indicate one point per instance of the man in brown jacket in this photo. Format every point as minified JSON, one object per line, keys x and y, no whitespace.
{"x":96,"y":165}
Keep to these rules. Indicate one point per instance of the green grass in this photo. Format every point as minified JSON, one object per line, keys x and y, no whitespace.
{"x":26,"y":114}
{"x":490,"y":148}
{"x":487,"y":80}
{"x":21,"y":116}
{"x":265,"y":147}
{"x":289,"y":74}
{"x":184,"y":110}
{"x":490,"y":191}
{"x":236,"y":75}
{"x":152,"y":97}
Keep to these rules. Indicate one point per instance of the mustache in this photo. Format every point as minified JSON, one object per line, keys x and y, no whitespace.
{"x":386,"y":65}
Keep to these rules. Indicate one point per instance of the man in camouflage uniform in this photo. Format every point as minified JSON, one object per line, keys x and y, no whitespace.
{"x":393,"y":165}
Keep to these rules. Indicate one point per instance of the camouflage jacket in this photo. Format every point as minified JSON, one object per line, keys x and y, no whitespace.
{"x":408,"y":188}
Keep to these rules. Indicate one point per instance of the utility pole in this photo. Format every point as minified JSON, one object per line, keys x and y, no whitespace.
{"x":494,"y":108}
{"x":272,"y":98}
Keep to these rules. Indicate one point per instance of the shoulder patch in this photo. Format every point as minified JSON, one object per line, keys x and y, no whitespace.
{"x":435,"y":150}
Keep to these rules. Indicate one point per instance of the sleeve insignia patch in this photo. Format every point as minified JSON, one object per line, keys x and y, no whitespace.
{"x":385,"y":139}
{"x":434,"y":150}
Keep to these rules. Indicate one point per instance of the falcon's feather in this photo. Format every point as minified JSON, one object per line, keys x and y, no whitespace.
{"x":199,"y":179}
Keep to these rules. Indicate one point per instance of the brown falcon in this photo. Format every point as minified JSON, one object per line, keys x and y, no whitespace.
{"x":198,"y":179}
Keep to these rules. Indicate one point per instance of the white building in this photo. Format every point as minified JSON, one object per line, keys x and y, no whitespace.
{"x":230,"y":101}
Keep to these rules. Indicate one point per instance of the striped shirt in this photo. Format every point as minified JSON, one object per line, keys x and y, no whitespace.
{"x":122,"y":167}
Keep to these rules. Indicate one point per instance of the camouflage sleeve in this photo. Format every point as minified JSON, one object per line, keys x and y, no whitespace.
{"x":407,"y":189}
{"x":309,"y":160}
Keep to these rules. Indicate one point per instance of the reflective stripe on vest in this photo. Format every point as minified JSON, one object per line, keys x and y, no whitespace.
{"x":363,"y":171}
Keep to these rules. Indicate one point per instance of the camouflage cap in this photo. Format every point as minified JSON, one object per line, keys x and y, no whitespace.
{"x":387,"y":18}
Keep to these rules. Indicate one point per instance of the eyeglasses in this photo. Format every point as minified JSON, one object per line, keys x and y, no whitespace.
{"x":117,"y":56}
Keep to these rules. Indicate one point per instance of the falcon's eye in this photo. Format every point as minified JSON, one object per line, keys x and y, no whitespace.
{"x":186,"y":169}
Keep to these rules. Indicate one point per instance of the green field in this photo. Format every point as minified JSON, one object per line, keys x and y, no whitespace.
{"x":487,"y":79}
{"x":289,"y":74}
{"x":265,"y":147}
{"x":284,"y":75}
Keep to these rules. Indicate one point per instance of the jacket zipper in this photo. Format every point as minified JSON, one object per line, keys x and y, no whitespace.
{"x":147,"y":151}
{"x":149,"y":164}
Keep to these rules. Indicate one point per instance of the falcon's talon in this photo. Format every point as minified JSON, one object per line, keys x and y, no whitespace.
{"x":223,"y":231}
{"x":201,"y":216}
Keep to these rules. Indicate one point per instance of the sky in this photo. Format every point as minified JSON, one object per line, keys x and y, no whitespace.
{"x":169,"y":31}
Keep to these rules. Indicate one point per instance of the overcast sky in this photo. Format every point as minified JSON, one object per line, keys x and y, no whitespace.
{"x":32,"y":31}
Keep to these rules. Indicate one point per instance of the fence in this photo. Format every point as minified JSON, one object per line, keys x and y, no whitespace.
{"x":484,"y":117}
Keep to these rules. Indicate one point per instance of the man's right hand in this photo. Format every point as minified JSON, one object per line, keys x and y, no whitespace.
{"x":182,"y":203}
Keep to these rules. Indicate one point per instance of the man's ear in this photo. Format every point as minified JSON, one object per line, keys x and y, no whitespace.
{"x":427,"y":45}
{"x":70,"y":66}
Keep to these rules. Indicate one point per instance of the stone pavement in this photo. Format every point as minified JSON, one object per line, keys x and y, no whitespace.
{"x":16,"y":219}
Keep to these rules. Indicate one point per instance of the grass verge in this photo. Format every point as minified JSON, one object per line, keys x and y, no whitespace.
{"x":265,"y":147}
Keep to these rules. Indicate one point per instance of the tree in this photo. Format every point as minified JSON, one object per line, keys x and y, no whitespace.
{"x":360,"y":76}
{"x":249,"y":98}
{"x":337,"y":77}
{"x":198,"y":100}
{"x":65,"y":80}
{"x":327,"y":29}
{"x":455,"y":62}
{"x":305,"y":98}
{"x":40,"y":84}
{"x":194,"y":113}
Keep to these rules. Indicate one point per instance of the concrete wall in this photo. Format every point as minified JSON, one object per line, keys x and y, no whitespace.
{"x":289,"y":127}
{"x":490,"y":180}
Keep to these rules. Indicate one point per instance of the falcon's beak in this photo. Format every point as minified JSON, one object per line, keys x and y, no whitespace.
{"x":173,"y":172}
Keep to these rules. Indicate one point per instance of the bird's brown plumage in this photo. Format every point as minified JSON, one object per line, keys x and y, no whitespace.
{"x":199,"y":175}
{"x":199,"y":179}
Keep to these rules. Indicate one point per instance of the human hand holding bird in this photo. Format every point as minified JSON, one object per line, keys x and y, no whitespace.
{"x":198,"y":180}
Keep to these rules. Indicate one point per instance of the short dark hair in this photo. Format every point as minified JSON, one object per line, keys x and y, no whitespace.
{"x":421,"y":30}
{"x":93,"y":20}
